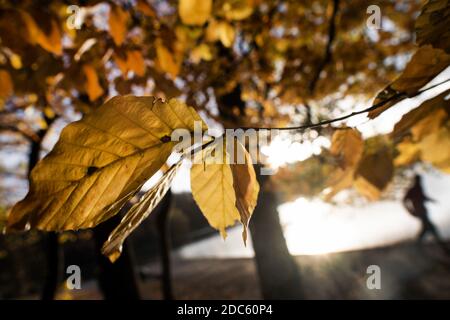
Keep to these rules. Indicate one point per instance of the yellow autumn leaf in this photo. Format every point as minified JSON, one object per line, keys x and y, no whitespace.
{"x":145,"y":8}
{"x":194,"y":12}
{"x":52,"y":42}
{"x":220,"y":30}
{"x":118,"y":20}
{"x":6,"y":84}
{"x":408,"y":152}
{"x":238,"y":9}
{"x":426,"y":64}
{"x":99,"y":162}
{"x":112,"y":248}
{"x":419,"y":114}
{"x":166,"y":62}
{"x":16,"y":61}
{"x":339,"y":180}
{"x":429,"y":124}
{"x":92,"y":84}
{"x":435,"y":148}
{"x":432,"y":24}
{"x":134,"y":61}
{"x":347,"y":146}
{"x":213,"y":191}
{"x":201,"y":52}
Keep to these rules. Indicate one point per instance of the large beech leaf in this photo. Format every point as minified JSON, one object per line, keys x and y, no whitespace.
{"x":100,"y":160}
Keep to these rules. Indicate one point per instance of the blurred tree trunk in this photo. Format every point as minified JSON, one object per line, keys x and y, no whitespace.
{"x":279,"y":275}
{"x":117,"y":280}
{"x":53,"y":254}
{"x":163,"y":224}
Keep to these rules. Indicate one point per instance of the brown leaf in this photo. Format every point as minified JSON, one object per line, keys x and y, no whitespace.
{"x":432,"y":25}
{"x":375,"y":171}
{"x":347,"y":145}
{"x":245,"y":186}
{"x":426,"y":64}
{"x":425,"y":110}
{"x":112,"y":248}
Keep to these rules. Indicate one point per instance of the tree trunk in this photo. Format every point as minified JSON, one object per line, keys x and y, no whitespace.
{"x":279,"y":275}
{"x":54,"y":258}
{"x":52,"y":251}
{"x":163,"y":223}
{"x":117,"y":280}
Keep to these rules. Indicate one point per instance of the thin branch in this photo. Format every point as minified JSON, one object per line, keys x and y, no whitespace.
{"x":374,"y":107}
{"x":328,"y":52}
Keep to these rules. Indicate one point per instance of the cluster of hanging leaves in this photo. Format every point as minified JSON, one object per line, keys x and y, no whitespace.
{"x":101,"y":161}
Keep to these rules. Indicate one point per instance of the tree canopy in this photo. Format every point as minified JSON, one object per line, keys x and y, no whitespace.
{"x":241,"y":63}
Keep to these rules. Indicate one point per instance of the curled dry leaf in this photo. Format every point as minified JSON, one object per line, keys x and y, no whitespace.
{"x":112,"y":248}
{"x":99,"y":162}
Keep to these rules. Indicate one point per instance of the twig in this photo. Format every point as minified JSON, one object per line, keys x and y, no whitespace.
{"x":328,"y":52}
{"x":374,"y":107}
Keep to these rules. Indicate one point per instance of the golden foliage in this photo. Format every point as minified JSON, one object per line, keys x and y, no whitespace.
{"x":426,"y":64}
{"x":220,"y":30}
{"x":118,"y":20}
{"x":99,"y":162}
{"x":51,"y":42}
{"x":166,"y":61}
{"x":92,"y":85}
{"x":194,"y":12}
{"x":6,"y":84}
{"x":432,"y":25}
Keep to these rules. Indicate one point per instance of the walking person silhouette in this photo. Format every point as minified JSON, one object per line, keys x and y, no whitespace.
{"x":414,"y":202}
